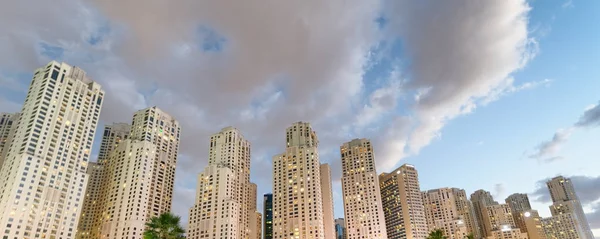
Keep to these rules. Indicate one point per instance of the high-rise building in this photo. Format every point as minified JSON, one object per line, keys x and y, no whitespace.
{"x":340,"y":228}
{"x":518,"y":202}
{"x":91,"y":217}
{"x":565,"y":201}
{"x":297,"y":192}
{"x":224,"y":207}
{"x":44,"y":172}
{"x":525,"y":219}
{"x":403,"y":204}
{"x":326,"y":191}
{"x":363,"y":212}
{"x":268,"y":216}
{"x":8,"y":127}
{"x":465,"y":209}
{"x":257,"y":233}
{"x":500,"y":224}
{"x":442,"y":213}
{"x":155,"y":126}
{"x":481,"y":199}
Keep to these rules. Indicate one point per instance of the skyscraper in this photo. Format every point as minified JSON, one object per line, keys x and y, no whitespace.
{"x":155,"y":126}
{"x":90,"y":220}
{"x":500,"y":224}
{"x":403,"y":204}
{"x":326,"y":191}
{"x":525,"y":218}
{"x":481,"y":199}
{"x":442,"y":213}
{"x":360,"y":188}
{"x":224,"y":207}
{"x":268,"y":216}
{"x":518,"y":202}
{"x":568,"y":219}
{"x":340,"y":228}
{"x":297,"y":192}
{"x":466,"y":210}
{"x":44,"y":171}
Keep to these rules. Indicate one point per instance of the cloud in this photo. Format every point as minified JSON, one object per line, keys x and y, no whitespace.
{"x":499,"y":190}
{"x":587,"y":188}
{"x":547,"y":150}
{"x":446,"y":53}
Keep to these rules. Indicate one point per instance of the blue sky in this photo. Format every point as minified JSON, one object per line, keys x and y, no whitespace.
{"x":476,"y":95}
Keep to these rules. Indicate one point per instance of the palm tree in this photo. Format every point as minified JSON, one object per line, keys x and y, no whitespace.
{"x":437,"y":234}
{"x":470,"y":236}
{"x":165,"y":226}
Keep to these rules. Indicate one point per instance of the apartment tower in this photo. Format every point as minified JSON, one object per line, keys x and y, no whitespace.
{"x":91,"y":215}
{"x":363,"y":212}
{"x":8,"y":127}
{"x":297,"y":193}
{"x":225,"y":198}
{"x":500,"y":224}
{"x":465,"y":209}
{"x":566,"y":208}
{"x":340,"y":228}
{"x":442,"y":213}
{"x":326,"y":191}
{"x":403,"y":204}
{"x":44,"y":171}
{"x":481,"y":199}
{"x":268,"y":216}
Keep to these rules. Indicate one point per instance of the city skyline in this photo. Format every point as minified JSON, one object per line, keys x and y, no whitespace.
{"x":421,"y":95}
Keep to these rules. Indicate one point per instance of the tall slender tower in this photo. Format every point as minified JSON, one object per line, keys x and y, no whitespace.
{"x":223,"y":205}
{"x":525,"y":218}
{"x":442,"y":213}
{"x":159,"y":128}
{"x":363,"y":212}
{"x":91,"y":215}
{"x":297,"y":193}
{"x":326,"y":191}
{"x":268,"y":216}
{"x":481,"y":199}
{"x":566,"y":207}
{"x":466,"y":210}
{"x":403,"y":204}
{"x":44,"y":172}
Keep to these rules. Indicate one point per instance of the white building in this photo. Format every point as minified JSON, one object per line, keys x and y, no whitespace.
{"x":8,"y":126}
{"x":161,"y":129}
{"x":225,"y":205}
{"x":93,"y":204}
{"x":297,"y":193}
{"x":442,"y":213}
{"x":44,"y":171}
{"x":403,"y":204}
{"x":363,"y":212}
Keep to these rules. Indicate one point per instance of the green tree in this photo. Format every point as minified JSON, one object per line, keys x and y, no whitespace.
{"x":470,"y":236}
{"x":437,"y":234}
{"x":165,"y":226}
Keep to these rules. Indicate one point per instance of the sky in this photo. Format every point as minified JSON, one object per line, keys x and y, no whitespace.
{"x":494,"y":95}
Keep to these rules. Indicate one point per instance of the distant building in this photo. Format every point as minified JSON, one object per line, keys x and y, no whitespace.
{"x":340,"y":229}
{"x":481,"y":199}
{"x":403,"y":204}
{"x":442,"y":213}
{"x":568,"y":219}
{"x":360,"y":188}
{"x":268,"y":216}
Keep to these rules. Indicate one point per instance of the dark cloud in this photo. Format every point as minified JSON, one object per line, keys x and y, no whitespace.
{"x":590,"y":118}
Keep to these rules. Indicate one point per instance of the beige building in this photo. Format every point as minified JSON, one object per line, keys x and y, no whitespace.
{"x":225,"y":205}
{"x":530,"y":222}
{"x":465,"y":209}
{"x":363,"y":212}
{"x":91,"y":216}
{"x":8,"y":126}
{"x":568,"y":217}
{"x":500,"y":223}
{"x":507,"y":233}
{"x":297,"y":191}
{"x":161,"y":129}
{"x":44,"y":171}
{"x":481,"y":199}
{"x":327,"y":192}
{"x":403,"y":204}
{"x":441,"y":212}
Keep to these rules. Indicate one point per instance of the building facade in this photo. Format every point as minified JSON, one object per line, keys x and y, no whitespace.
{"x":403,"y":204}
{"x":225,"y":199}
{"x":466,"y":210}
{"x":297,"y":193}
{"x":326,"y":191}
{"x":363,"y":212}
{"x":268,"y":216}
{"x":44,"y":170}
{"x":481,"y":199}
{"x":565,"y":201}
{"x":8,"y":127}
{"x":500,"y":224}
{"x":441,"y":212}
{"x":340,"y":228}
